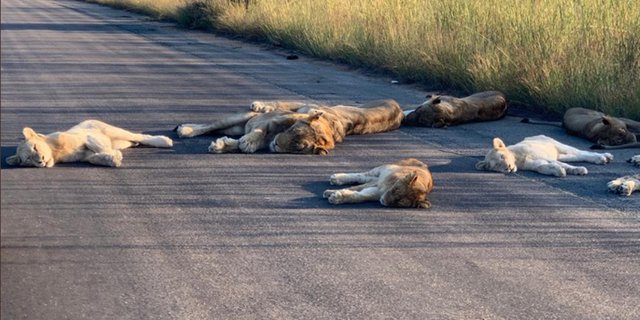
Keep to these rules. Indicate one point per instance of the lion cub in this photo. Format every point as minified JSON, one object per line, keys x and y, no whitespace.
{"x":90,"y":141}
{"x":541,"y":154}
{"x":405,"y":183}
{"x":628,"y":184}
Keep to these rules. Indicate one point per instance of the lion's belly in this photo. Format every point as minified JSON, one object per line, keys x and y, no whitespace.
{"x":537,"y":151}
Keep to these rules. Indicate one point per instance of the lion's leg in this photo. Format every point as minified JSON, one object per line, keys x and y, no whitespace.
{"x":625,"y":185}
{"x":253,"y":141}
{"x":189,"y":130}
{"x":119,"y":137}
{"x":349,"y":178}
{"x":113,"y":159}
{"x":224,"y":145}
{"x":568,"y":153}
{"x":550,"y":168}
{"x":569,"y":169}
{"x":327,"y":193}
{"x":361,"y":193}
{"x":283,"y":105}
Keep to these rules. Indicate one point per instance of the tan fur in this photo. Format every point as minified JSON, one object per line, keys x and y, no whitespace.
{"x":628,"y":184}
{"x":297,"y":127}
{"x":90,"y":141}
{"x":405,"y":183}
{"x":541,"y":154}
{"x":602,"y":129}
{"x":443,"y":111}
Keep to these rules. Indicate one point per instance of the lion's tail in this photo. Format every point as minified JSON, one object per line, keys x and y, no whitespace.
{"x":192,"y":130}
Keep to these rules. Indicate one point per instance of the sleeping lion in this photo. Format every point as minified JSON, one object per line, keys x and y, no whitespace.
{"x":90,"y":141}
{"x":628,"y":184}
{"x":405,"y":183}
{"x":444,"y":111}
{"x":541,"y":154}
{"x":607,"y":132}
{"x":296,"y":127}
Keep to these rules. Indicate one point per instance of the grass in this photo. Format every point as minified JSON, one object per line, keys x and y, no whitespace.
{"x":549,"y":53}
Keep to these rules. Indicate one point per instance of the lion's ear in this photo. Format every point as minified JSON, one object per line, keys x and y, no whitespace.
{"x":321,"y":151}
{"x":13,"y":160}
{"x":498,"y":144}
{"x":435,"y":100}
{"x":28,"y":133}
{"x":482,"y":165}
{"x":606,"y":121}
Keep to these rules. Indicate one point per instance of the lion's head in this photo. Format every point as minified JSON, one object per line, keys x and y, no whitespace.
{"x":431,"y":113}
{"x":614,"y":132}
{"x":312,"y":135}
{"x":32,"y":152}
{"x":499,"y":159}
{"x":408,"y":192}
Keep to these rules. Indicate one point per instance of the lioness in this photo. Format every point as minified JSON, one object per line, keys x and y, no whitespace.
{"x":628,"y":184}
{"x":297,"y":127}
{"x":443,"y":111}
{"x":541,"y":154}
{"x":405,"y":183}
{"x":90,"y":141}
{"x":605,"y":131}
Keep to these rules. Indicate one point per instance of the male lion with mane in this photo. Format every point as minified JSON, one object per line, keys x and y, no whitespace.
{"x":405,"y":184}
{"x":541,"y":154}
{"x":296,"y":127}
{"x":90,"y":141}
{"x":444,"y":111}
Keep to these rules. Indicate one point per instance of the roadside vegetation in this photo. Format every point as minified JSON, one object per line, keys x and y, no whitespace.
{"x":548,"y":53}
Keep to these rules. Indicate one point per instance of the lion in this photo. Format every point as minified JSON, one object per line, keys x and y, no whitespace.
{"x":296,"y":127}
{"x":541,"y":154}
{"x":90,"y":141}
{"x":405,"y":184}
{"x":607,"y":132}
{"x":444,"y":111}
{"x":628,"y":184}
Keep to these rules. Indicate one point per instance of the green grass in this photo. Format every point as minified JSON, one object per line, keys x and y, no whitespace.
{"x":555,"y":54}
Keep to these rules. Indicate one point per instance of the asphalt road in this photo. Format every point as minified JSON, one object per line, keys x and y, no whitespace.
{"x":182,"y":234}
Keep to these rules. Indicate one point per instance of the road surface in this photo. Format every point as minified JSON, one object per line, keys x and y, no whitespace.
{"x":183,"y":234}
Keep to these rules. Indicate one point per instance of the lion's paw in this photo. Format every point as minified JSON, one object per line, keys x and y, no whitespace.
{"x":185,"y":131}
{"x":336,"y":179}
{"x":604,"y":158}
{"x":635,"y":160}
{"x":337,"y":197}
{"x":328,"y":193}
{"x":166,"y":142}
{"x":250,"y":143}
{"x":623,"y":186}
{"x":579,"y":171}
{"x":259,"y":106}
{"x":116,"y":158}
{"x":222,"y":145}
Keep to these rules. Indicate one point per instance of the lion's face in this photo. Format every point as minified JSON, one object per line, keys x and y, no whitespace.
{"x":430,"y":113}
{"x":499,"y":159}
{"x":408,"y":192}
{"x":32,"y":152}
{"x":308,"y":136}
{"x":615,"y":132}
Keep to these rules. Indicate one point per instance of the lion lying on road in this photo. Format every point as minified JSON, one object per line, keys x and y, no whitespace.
{"x":628,"y":184}
{"x":443,"y":111}
{"x":605,"y":131}
{"x":405,"y":183}
{"x":90,"y":141}
{"x":296,"y":127}
{"x":541,"y":154}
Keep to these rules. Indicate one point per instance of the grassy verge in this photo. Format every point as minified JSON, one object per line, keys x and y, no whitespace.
{"x":550,"y":53}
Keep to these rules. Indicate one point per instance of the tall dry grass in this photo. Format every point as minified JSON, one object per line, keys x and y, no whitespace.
{"x":551,"y":53}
